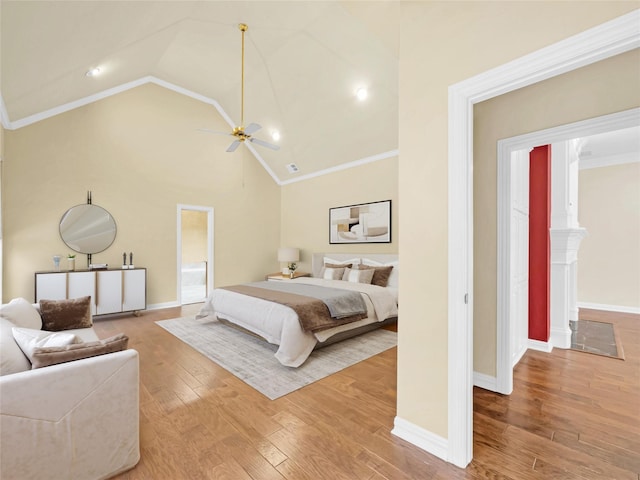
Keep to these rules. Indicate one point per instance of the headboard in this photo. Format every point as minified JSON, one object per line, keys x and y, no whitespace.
{"x":317,"y":261}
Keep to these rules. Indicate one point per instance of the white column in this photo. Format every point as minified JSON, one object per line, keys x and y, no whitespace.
{"x":566,"y":235}
{"x":565,"y":243}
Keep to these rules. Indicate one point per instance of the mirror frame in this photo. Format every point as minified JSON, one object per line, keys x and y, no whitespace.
{"x":89,"y":222}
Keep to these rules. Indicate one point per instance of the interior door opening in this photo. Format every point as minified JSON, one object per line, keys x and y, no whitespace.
{"x":195,"y":253}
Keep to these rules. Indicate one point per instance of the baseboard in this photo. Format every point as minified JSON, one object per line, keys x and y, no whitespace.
{"x":160,"y":306}
{"x":609,"y":308}
{"x":421,"y":438}
{"x":540,"y":346}
{"x":485,"y":381}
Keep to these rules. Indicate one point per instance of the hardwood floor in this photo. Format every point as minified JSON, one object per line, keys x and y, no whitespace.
{"x":573,"y":415}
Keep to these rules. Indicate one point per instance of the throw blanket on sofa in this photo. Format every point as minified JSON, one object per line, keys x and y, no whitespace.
{"x":318,"y":308}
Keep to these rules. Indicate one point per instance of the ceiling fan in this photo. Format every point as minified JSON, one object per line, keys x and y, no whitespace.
{"x":241,"y":133}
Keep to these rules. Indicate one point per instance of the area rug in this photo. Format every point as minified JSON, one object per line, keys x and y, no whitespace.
{"x":595,"y":337}
{"x":251,"y":359}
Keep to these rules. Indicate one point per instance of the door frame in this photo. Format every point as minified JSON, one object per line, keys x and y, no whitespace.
{"x":611,"y":38}
{"x":562,"y":133}
{"x":210,"y":249}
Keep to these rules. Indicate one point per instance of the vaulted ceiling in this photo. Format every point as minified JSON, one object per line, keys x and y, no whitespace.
{"x":304,"y":61}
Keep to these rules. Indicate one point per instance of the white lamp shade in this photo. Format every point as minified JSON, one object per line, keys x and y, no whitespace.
{"x":288,"y":254}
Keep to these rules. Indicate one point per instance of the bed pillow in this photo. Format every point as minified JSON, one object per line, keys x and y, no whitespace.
{"x":22,"y":314}
{"x":330,"y":273}
{"x":358,"y":276}
{"x":335,"y":266}
{"x":380,"y":274}
{"x":66,"y":314}
{"x":46,"y":356}
{"x":28,"y":339}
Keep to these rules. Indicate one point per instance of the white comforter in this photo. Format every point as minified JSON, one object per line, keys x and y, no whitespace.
{"x":279,"y":324}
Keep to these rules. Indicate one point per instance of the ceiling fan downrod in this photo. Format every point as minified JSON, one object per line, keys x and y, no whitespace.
{"x":243,"y":28}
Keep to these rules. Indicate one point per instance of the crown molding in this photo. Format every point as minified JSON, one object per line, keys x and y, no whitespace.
{"x":344,"y":166}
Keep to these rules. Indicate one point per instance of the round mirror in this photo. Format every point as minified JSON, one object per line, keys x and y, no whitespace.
{"x":87,"y":228}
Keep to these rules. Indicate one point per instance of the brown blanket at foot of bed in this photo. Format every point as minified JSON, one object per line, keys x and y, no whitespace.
{"x":312,"y":313}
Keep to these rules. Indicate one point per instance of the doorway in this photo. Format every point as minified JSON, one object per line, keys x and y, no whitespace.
{"x":508,"y":151}
{"x":603,"y":41}
{"x":194,"y":253}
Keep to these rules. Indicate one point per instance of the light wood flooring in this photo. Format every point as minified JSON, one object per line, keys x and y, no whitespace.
{"x":573,"y":415}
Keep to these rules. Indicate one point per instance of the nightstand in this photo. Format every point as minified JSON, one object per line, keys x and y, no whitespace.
{"x":278,"y":276}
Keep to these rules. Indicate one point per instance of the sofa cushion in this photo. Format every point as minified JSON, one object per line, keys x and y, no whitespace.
{"x":66,"y":314}
{"x":22,"y":314}
{"x":46,"y":356}
{"x":28,"y":339}
{"x":12,"y":359}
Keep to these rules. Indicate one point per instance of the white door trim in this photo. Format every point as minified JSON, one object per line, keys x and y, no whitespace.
{"x":603,"y":41}
{"x":592,"y":126}
{"x":210,"y":241}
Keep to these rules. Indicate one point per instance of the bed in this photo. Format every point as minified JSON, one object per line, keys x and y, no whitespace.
{"x":280,"y":325}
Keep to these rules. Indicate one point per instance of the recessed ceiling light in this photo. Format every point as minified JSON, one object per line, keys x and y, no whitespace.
{"x":362,"y":93}
{"x":93,"y":72}
{"x":275,"y":135}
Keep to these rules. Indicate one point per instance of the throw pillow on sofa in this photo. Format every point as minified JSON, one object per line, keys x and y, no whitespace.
{"x":46,"y":356}
{"x":22,"y":314}
{"x":66,"y":314}
{"x":28,"y":339}
{"x":12,"y":359}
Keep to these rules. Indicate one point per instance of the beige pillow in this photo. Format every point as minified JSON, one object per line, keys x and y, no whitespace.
{"x":22,"y":314}
{"x":12,"y":358}
{"x":333,"y":273}
{"x":334,"y":265}
{"x":358,"y":276}
{"x":66,"y":314}
{"x":380,"y":275}
{"x":46,"y":356}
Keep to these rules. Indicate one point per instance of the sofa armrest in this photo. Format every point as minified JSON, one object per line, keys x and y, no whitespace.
{"x":73,"y":420}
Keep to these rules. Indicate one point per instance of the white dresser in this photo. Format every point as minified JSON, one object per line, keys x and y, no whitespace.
{"x":111,"y":291}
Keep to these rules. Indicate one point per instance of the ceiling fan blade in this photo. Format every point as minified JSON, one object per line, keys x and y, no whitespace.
{"x":206,"y":130}
{"x":264,"y":144}
{"x":252,"y":128}
{"x":233,"y":146}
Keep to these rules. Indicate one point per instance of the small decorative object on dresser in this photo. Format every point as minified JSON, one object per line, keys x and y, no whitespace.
{"x":56,"y":262}
{"x":71,"y":260}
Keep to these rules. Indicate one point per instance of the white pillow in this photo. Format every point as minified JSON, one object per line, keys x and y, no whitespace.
{"x":333,"y":273}
{"x":28,"y":339}
{"x":22,"y":314}
{"x":358,"y":276}
{"x":12,"y":360}
{"x":353,"y":261}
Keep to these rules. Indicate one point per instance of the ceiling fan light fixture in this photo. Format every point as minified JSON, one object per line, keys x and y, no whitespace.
{"x":275,"y":135}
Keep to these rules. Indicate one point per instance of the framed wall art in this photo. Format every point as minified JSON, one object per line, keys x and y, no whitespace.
{"x":362,"y":223}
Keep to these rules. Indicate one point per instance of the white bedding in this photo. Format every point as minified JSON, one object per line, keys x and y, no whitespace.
{"x":279,"y":325}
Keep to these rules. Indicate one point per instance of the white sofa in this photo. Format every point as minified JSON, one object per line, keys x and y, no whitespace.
{"x":74,"y":420}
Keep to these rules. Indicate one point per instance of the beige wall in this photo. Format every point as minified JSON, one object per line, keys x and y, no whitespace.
{"x":442,"y":43}
{"x":554,"y":102}
{"x":305,"y":208}
{"x":609,"y":257}
{"x":140,"y":155}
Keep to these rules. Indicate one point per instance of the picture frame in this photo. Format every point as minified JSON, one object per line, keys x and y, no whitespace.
{"x":360,"y":223}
